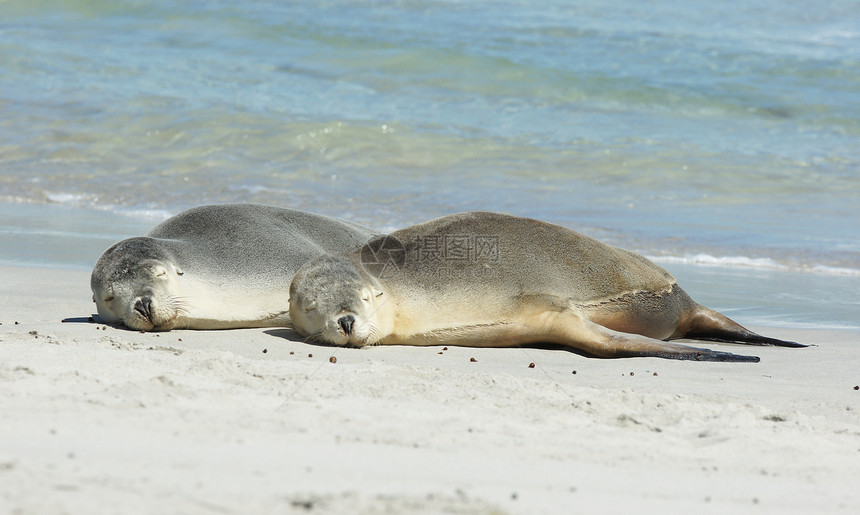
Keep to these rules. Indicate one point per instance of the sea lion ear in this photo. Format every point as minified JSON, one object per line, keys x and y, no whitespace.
{"x":178,"y":270}
{"x":376,"y":293}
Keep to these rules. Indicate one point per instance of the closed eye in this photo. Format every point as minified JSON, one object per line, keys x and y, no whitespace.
{"x":310,"y":307}
{"x":108,"y":299}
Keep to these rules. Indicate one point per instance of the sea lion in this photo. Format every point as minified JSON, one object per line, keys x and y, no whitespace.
{"x":492,"y":280}
{"x":215,"y":267}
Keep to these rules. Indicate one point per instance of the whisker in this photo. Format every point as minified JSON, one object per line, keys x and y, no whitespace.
{"x":375,"y":335}
{"x":179,"y":304}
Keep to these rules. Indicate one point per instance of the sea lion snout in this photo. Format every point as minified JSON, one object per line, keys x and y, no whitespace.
{"x":345,"y":322}
{"x":143,"y":306}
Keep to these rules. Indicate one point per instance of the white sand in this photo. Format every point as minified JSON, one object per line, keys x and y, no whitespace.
{"x":114,"y":421}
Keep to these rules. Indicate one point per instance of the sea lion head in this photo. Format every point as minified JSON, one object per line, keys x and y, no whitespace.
{"x":332,"y":302}
{"x":136,"y":283}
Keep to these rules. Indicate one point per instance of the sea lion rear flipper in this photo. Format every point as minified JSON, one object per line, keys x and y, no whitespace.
{"x":573,"y":330}
{"x":708,"y":325}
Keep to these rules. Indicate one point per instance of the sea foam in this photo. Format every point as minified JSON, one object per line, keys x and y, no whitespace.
{"x":754,"y":263}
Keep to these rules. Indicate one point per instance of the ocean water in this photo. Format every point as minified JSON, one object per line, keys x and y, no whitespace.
{"x":720,"y":139}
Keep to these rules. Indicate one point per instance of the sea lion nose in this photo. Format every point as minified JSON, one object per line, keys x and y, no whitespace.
{"x":345,"y":323}
{"x":143,"y":306}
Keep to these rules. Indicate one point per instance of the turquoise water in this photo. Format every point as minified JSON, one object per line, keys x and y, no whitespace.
{"x":714,"y":137}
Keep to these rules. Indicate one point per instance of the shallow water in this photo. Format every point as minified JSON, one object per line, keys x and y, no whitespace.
{"x":708,"y":136}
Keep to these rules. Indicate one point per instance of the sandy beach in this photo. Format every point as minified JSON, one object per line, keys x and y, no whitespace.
{"x":98,"y":419}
